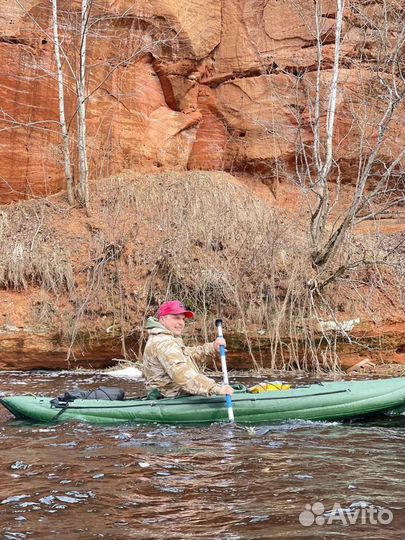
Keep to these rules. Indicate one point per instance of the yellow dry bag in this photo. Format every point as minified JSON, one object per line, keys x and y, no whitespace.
{"x":269,"y":387}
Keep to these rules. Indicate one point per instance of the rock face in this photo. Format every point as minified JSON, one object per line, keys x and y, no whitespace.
{"x":196,"y":84}
{"x":129,"y":122}
{"x":261,"y":115}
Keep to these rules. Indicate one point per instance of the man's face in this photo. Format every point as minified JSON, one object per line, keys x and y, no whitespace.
{"x":174,"y":323}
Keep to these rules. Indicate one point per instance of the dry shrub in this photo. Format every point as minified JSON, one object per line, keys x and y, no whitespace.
{"x":209,"y":237}
{"x":30,"y":251}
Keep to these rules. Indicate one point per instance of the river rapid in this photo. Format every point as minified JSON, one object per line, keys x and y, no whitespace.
{"x":295,"y":480}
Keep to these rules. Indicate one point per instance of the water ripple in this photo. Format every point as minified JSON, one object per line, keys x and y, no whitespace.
{"x":80,"y":482}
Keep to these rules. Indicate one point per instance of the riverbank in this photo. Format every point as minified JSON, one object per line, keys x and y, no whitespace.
{"x":27,"y":350}
{"x":76,"y":289}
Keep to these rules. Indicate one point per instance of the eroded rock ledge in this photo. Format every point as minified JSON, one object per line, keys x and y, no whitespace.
{"x":28,"y":349}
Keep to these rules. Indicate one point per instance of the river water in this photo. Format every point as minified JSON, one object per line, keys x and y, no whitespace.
{"x":75,"y":481}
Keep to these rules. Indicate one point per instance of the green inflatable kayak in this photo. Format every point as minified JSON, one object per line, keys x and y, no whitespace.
{"x":321,"y":401}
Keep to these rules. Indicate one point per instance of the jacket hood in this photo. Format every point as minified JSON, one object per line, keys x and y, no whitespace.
{"x":153,"y":326}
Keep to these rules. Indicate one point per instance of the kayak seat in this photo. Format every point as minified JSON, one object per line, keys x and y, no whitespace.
{"x":154,"y":394}
{"x":239,"y":388}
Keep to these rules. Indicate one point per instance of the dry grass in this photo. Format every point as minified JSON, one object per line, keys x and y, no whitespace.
{"x":30,"y":251}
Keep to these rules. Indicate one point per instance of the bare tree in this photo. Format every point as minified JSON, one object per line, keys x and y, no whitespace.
{"x":61,"y":99}
{"x":323,"y":164}
{"x":318,"y":170}
{"x":84,"y":193}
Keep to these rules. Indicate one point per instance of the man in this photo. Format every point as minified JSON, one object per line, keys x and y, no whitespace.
{"x":170,"y":366}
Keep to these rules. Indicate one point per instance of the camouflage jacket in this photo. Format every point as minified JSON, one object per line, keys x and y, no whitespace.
{"x":171,"y":367}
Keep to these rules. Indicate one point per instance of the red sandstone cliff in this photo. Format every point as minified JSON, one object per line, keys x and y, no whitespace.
{"x":197,"y":84}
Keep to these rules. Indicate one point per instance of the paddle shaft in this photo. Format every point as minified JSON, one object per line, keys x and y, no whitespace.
{"x":222,"y":354}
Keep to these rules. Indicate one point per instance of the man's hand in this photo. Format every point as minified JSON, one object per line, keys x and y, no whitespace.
{"x":226,"y":390}
{"x":218,"y":342}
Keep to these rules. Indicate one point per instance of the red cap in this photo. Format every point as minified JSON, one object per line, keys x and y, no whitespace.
{"x":174,"y":308}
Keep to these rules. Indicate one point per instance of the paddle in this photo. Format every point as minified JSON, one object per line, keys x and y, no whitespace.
{"x":222,"y":354}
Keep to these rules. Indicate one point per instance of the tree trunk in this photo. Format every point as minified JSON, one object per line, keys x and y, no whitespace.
{"x":324,"y":165}
{"x":61,"y":100}
{"x":81,"y":96}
